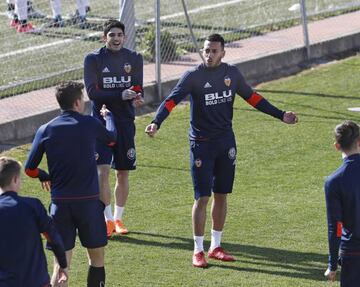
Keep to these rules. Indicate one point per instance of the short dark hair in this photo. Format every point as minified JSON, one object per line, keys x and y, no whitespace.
{"x":346,"y":134}
{"x":67,"y":93}
{"x":216,"y":38}
{"x":9,"y":168}
{"x":112,"y":23}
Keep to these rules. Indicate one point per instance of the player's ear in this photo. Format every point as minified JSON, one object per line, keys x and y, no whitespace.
{"x":337,"y":146}
{"x":104,"y":38}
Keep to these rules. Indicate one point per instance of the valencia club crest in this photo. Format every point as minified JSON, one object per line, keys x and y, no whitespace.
{"x":127,"y":68}
{"x":227,"y":81}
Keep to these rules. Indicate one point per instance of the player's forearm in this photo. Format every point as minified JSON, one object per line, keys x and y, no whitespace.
{"x":163,"y":112}
{"x":96,"y":94}
{"x":56,"y":245}
{"x":261,"y":104}
{"x":334,"y":238}
{"x":37,"y":173}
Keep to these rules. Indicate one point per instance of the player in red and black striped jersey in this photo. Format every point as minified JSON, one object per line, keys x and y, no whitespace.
{"x":342,"y":194}
{"x":69,"y":143}
{"x":212,"y":87}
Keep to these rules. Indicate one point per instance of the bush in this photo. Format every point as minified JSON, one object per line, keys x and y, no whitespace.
{"x":168,"y":47}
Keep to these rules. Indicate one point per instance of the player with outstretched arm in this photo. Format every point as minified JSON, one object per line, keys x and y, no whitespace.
{"x":212,"y":87}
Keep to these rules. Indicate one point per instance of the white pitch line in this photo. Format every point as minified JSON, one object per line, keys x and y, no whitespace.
{"x":34,"y":48}
{"x":56,"y":43}
{"x":66,"y":41}
{"x":198,"y":10}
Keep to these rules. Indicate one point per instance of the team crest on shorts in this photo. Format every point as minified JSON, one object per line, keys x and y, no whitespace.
{"x":131,"y":153}
{"x":127,"y":68}
{"x":227,"y":81}
{"x":198,"y":162}
{"x":232,"y":153}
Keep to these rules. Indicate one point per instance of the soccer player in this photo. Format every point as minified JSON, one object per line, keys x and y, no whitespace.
{"x":212,"y":87}
{"x":69,"y":144}
{"x":22,"y":219}
{"x":342,"y":194}
{"x":79,"y":18}
{"x":113,"y":76}
{"x":20,"y":16}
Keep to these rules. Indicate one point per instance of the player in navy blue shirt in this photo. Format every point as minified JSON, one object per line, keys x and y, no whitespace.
{"x":113,"y":76}
{"x":342,"y":194}
{"x":212,"y":87}
{"x":22,"y":219}
{"x":69,"y":142}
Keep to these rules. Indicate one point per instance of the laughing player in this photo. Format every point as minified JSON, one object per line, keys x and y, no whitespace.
{"x":113,"y":76}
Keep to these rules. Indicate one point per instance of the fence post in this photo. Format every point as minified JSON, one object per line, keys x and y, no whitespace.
{"x":157,"y":49}
{"x":305,"y":28}
{"x":127,"y":16}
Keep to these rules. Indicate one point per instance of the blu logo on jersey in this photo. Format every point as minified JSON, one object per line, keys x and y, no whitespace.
{"x":115,"y":82}
{"x":218,"y":98}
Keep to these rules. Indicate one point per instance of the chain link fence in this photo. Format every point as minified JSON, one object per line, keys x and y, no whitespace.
{"x":51,"y":54}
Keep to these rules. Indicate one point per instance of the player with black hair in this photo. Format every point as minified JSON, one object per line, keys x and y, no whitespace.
{"x":113,"y":75}
{"x":212,"y":87}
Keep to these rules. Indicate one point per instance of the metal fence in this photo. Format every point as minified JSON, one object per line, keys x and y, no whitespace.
{"x":31,"y":61}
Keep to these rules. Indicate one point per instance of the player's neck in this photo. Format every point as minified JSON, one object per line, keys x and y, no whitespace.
{"x":350,"y":153}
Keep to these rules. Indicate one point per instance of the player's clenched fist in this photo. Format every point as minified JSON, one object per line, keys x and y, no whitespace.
{"x":151,"y":129}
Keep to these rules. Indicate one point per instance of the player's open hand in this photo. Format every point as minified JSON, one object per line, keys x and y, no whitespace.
{"x":151,"y":129}
{"x":330,"y":275}
{"x":290,"y":118}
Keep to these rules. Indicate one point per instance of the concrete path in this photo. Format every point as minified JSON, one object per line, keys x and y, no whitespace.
{"x":42,"y":101}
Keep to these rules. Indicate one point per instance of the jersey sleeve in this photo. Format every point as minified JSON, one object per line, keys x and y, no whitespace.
{"x":256,"y":100}
{"x":139,"y":75}
{"x":180,"y":91}
{"x":35,"y":156}
{"x":47,"y":228}
{"x":334,"y":220}
{"x":91,"y":82}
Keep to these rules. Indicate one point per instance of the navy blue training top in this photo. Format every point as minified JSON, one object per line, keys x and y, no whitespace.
{"x":212,"y":95}
{"x":22,"y":258}
{"x":107,"y":74}
{"x":69,"y":143}
{"x":342,"y":193}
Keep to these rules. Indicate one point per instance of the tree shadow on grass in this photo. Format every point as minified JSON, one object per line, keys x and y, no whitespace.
{"x":257,"y":259}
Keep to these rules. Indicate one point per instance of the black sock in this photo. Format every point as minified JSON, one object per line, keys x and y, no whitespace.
{"x":96,"y":277}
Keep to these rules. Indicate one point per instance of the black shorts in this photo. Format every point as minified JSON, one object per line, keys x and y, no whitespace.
{"x":122,"y":156}
{"x":85,"y":218}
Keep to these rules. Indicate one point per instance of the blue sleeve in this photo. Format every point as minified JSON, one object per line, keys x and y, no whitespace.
{"x":256,"y":100}
{"x":35,"y":156}
{"x":180,"y":91}
{"x":92,"y":85}
{"x":139,"y":76}
{"x":47,"y":228}
{"x":334,"y":219}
